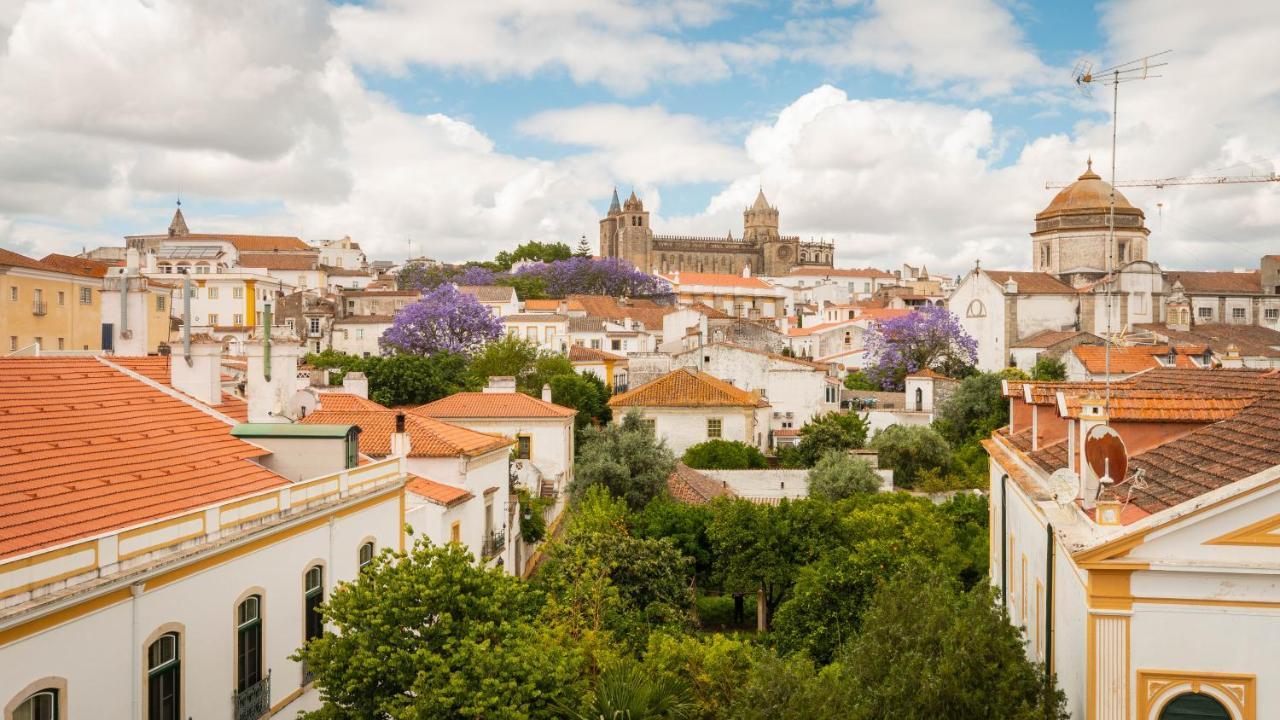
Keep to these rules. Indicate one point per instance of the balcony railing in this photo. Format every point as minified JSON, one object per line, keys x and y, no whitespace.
{"x":253,"y":702}
{"x":38,"y":307}
{"x":494,"y":544}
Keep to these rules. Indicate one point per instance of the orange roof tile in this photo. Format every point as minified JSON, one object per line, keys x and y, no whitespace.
{"x":579,"y":353}
{"x":345,"y":402}
{"x":879,"y":314}
{"x":686,"y":387}
{"x":806,"y":331}
{"x":542,"y":305}
{"x":812,"y":270}
{"x":85,"y":449}
{"x":158,"y":368}
{"x":492,"y":405}
{"x":428,"y":437}
{"x":1132,"y":359}
{"x":280,"y":261}
{"x":1031,"y":283}
{"x":8,"y":257}
{"x":76,"y":266}
{"x":437,"y":492}
{"x":252,"y":243}
{"x":1163,"y":406}
{"x":716,"y":280}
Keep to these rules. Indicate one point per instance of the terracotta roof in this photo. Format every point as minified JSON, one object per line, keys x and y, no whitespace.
{"x":344,"y":272}
{"x":927,"y":373}
{"x":346,"y":402}
{"x":821,"y":327}
{"x":1250,"y":340}
{"x":644,"y":311}
{"x":280,"y":261}
{"x":1089,"y":194}
{"x":578,"y":324}
{"x":489,"y":293}
{"x":8,"y":257}
{"x":693,"y":488}
{"x":1137,"y":405}
{"x":76,"y":266}
{"x":85,"y":449}
{"x":578,"y":353}
{"x":1216,"y":282}
{"x":811,"y":270}
{"x":492,"y":405}
{"x":536,"y":317}
{"x":710,"y":312}
{"x":1132,"y":359}
{"x":1049,"y":338}
{"x":380,"y":293}
{"x":437,"y":492}
{"x":880,"y":314}
{"x":253,"y":243}
{"x":716,"y":280}
{"x":158,"y":368}
{"x":1031,"y":283}
{"x":686,"y":387}
{"x":546,"y":305}
{"x":428,"y":437}
{"x":1046,"y":393}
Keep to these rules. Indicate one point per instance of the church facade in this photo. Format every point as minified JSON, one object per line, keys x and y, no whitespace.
{"x":625,"y":233}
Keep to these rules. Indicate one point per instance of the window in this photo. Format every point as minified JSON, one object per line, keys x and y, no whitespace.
{"x":249,"y":643}
{"x":62,"y":344}
{"x":455,"y":531}
{"x":213,"y":318}
{"x":531,"y":334}
{"x":615,"y":344}
{"x":13,"y":342}
{"x":160,"y":303}
{"x":595,"y":344}
{"x":313,"y":325}
{"x":1237,"y":313}
{"x":40,"y":341}
{"x":649,"y":424}
{"x":714,"y":427}
{"x":359,"y":333}
{"x":1194,"y":706}
{"x":86,"y":295}
{"x":237,"y":319}
{"x":62,"y":298}
{"x":163,"y":685}
{"x":39,"y":706}
{"x":976,"y":309}
{"x":1204,"y":313}
{"x":13,"y":292}
{"x":524,"y":447}
{"x":312,"y":596}
{"x":548,"y":333}
{"x":366,"y":555}
{"x":302,"y":281}
{"x":1271,"y":314}
{"x":237,"y":293}
{"x":212,"y":293}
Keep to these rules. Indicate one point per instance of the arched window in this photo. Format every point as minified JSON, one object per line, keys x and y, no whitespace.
{"x":312,"y":596}
{"x":42,"y":705}
{"x":976,"y":309}
{"x":919,"y":400}
{"x":366,"y":554}
{"x":1194,"y":706}
{"x":163,"y":680}
{"x":248,"y":642}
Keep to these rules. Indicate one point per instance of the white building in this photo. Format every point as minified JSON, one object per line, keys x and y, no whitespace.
{"x":1155,"y":596}
{"x":359,"y":334}
{"x":549,"y":331}
{"x":741,"y":296}
{"x":344,"y":254}
{"x":227,"y":305}
{"x":499,"y":299}
{"x":161,"y":564}
{"x":609,"y":367}
{"x":856,"y":283}
{"x":686,"y":407}
{"x":999,"y":307}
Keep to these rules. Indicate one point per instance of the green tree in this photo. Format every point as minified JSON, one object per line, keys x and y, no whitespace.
{"x":928,"y":650}
{"x":625,"y":459}
{"x":585,"y":393}
{"x":338,"y":363}
{"x":629,"y":691}
{"x":723,"y":455}
{"x":415,"y":379}
{"x":532,"y":251}
{"x":546,"y":366}
{"x":431,"y":635}
{"x":858,"y":380}
{"x":837,"y":476}
{"x":683,"y":524}
{"x":714,"y":666}
{"x":1049,"y":369}
{"x":975,"y":409}
{"x":910,"y":450}
{"x":968,"y":514}
{"x":508,"y":356}
{"x":584,"y":248}
{"x":785,"y":688}
{"x":831,"y":431}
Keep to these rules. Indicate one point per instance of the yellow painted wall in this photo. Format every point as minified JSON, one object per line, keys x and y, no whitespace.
{"x":158,"y":318}
{"x":78,"y":324}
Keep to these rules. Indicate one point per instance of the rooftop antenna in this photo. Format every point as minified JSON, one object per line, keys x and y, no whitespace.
{"x":1086,"y":78}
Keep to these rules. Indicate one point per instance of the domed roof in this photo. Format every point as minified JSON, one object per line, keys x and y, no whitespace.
{"x":1087,"y":195}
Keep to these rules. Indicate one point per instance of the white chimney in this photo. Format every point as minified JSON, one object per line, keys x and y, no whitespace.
{"x":268,"y":397}
{"x":202,"y":379}
{"x":150,"y":265}
{"x":400,"y":445}
{"x":746,"y":271}
{"x":132,"y":261}
{"x":1092,"y":413}
{"x":501,"y":384}
{"x":546,"y":392}
{"x":356,"y":383}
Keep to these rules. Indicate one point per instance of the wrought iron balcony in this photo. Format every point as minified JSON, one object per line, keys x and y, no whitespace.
{"x":38,"y":307}
{"x":254,"y":701}
{"x":494,"y":544}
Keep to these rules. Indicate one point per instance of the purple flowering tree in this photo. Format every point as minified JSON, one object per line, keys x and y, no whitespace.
{"x":929,"y":338}
{"x":444,"y":320}
{"x":594,"y":276}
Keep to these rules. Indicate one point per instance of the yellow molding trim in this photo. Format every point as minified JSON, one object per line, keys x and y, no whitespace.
{"x":1109,"y":589}
{"x":1208,"y":602}
{"x":47,"y":556}
{"x":1262,"y":533}
{"x":242,"y":503}
{"x":1240,"y":690}
{"x":287,"y":699}
{"x":130,"y":534}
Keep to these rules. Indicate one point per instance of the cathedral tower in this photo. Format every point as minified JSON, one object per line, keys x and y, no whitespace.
{"x":1071,"y":235}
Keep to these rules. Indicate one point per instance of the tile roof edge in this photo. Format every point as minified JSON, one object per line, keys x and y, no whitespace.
{"x":170,"y":391}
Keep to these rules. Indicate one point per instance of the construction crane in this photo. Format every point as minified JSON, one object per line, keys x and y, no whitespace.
{"x":1207,"y":180}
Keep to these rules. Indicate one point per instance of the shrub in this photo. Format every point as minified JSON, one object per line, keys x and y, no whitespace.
{"x":723,"y":455}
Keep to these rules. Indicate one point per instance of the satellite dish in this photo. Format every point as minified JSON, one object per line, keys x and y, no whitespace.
{"x":301,"y":404}
{"x":1106,"y":454}
{"x":1065,"y":485}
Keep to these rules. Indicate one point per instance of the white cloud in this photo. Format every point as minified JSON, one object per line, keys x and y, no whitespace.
{"x":971,"y":46}
{"x":623,"y":45}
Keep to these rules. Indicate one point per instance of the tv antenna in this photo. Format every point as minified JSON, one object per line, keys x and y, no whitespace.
{"x":1086,"y":78}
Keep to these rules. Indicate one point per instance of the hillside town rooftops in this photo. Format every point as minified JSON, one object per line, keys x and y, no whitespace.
{"x":492,"y":405}
{"x":1136,"y":358}
{"x":1250,"y":340}
{"x":694,"y":488}
{"x":580,"y":353}
{"x":489,"y":293}
{"x":437,"y":492}
{"x":686,"y":387}
{"x":428,"y":437}
{"x":820,"y":271}
{"x":280,"y":261}
{"x":1213,"y":282}
{"x":716,"y":280}
{"x":1049,"y":338}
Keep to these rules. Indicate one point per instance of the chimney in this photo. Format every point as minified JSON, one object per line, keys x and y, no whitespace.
{"x":1232,"y":359}
{"x":150,"y":265}
{"x":202,"y":379}
{"x":501,"y":384}
{"x":746,"y":271}
{"x":356,"y":384}
{"x":132,"y":261}
{"x":1010,"y":286}
{"x":272,"y":378}
{"x":1092,"y":413}
{"x":400,"y":439}
{"x":546,"y":392}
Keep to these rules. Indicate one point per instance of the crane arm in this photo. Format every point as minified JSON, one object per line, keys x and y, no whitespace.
{"x":1210,"y":180}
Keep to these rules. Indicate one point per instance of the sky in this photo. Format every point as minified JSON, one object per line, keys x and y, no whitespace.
{"x":906,"y":131}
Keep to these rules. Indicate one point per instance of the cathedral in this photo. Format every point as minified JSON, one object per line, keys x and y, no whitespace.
{"x":625,"y":233}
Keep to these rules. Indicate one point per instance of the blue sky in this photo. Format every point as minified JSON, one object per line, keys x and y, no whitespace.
{"x":916,"y":131}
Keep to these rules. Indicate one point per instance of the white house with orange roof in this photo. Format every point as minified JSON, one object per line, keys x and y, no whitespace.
{"x":741,"y":296}
{"x":459,"y":489}
{"x":857,"y":283}
{"x":611,"y":368}
{"x":827,"y":340}
{"x":1151,"y":592}
{"x":686,"y":407}
{"x":160,"y":560}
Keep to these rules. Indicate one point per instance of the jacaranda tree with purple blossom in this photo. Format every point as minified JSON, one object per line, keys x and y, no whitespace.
{"x":929,"y":338}
{"x":444,"y":320}
{"x":556,"y":279}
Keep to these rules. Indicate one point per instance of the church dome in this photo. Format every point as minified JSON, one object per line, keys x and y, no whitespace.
{"x":1088,"y":195}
